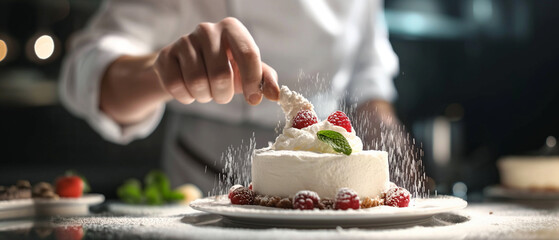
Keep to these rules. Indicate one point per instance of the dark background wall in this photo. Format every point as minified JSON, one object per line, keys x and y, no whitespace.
{"x":489,"y":69}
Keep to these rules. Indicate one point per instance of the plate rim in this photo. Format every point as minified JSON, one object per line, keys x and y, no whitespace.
{"x":328,"y":215}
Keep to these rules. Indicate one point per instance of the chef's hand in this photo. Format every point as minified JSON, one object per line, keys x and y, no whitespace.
{"x":214,"y":62}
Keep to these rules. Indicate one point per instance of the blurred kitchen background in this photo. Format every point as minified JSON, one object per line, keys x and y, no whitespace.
{"x":479,"y":79}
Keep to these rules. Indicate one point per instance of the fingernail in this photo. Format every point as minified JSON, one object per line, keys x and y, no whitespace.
{"x":255,"y":98}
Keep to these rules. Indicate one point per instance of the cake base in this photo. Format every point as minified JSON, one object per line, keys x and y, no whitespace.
{"x":283,"y":173}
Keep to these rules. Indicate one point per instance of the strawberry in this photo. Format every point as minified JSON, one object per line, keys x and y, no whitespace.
{"x":397,"y":197}
{"x":304,"y":118}
{"x":346,"y":199}
{"x":339,"y":118}
{"x":69,"y":186}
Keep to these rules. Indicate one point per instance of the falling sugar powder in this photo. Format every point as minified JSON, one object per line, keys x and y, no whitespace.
{"x":405,"y":157}
{"x":237,"y":168}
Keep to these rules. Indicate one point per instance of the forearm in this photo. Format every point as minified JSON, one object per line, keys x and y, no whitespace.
{"x":130,"y":89}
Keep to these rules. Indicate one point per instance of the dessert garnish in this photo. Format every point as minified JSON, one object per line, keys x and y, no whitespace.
{"x":372,"y":202}
{"x":44,"y":190}
{"x":397,"y":197}
{"x":242,"y":196}
{"x":339,"y":118}
{"x":336,"y":140}
{"x":233,"y":189}
{"x":304,"y":118}
{"x":22,"y":190}
{"x":69,"y":186}
{"x":305,"y":200}
{"x":156,"y":191}
{"x":346,"y":199}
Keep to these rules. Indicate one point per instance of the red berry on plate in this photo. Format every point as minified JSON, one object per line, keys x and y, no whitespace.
{"x":250,"y":186}
{"x":397,"y":197}
{"x":242,"y":196}
{"x":304,"y":118}
{"x":70,"y":186}
{"x":233,"y":189}
{"x":305,"y":200}
{"x":339,"y":118}
{"x":346,"y":199}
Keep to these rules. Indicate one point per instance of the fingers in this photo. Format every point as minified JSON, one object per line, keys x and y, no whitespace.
{"x":246,"y":55}
{"x":192,"y":67}
{"x":218,"y":70}
{"x":270,"y":86}
{"x":169,"y":72}
{"x":213,"y":63}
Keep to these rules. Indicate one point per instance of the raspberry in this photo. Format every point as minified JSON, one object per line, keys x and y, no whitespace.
{"x":346,"y":199}
{"x":339,"y":118}
{"x":397,"y":197}
{"x":304,"y":118}
{"x":250,"y":186}
{"x":305,"y":200}
{"x":233,"y":189}
{"x":242,"y":196}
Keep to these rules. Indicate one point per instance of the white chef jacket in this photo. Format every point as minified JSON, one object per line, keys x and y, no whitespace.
{"x":331,"y":51}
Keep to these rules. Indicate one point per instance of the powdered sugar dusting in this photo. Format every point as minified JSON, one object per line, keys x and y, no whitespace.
{"x":238,"y":161}
{"x":345,"y":195}
{"x":404,"y":155}
{"x":394,"y":196}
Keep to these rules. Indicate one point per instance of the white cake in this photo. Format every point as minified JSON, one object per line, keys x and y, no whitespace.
{"x":530,"y":173}
{"x":284,"y":173}
{"x":298,"y":160}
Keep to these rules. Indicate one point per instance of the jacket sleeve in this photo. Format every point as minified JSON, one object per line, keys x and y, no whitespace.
{"x":121,"y":27}
{"x":376,"y":63}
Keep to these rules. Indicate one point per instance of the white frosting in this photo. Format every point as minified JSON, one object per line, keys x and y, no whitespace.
{"x":530,"y":172}
{"x":284,"y":173}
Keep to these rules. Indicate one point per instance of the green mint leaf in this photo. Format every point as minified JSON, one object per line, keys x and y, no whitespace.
{"x":336,"y":140}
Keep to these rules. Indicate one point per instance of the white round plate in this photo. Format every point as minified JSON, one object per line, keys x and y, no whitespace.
{"x":498,"y":191}
{"x":67,"y":206}
{"x":147,"y":210}
{"x":18,"y":208}
{"x":86,"y":199}
{"x":22,"y":208}
{"x":420,"y":210}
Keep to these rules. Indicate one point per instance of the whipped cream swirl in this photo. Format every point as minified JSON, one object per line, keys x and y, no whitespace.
{"x":305,"y":139}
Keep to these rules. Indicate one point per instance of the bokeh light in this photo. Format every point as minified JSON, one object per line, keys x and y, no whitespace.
{"x":44,"y":47}
{"x":550,"y":141}
{"x":3,"y":50}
